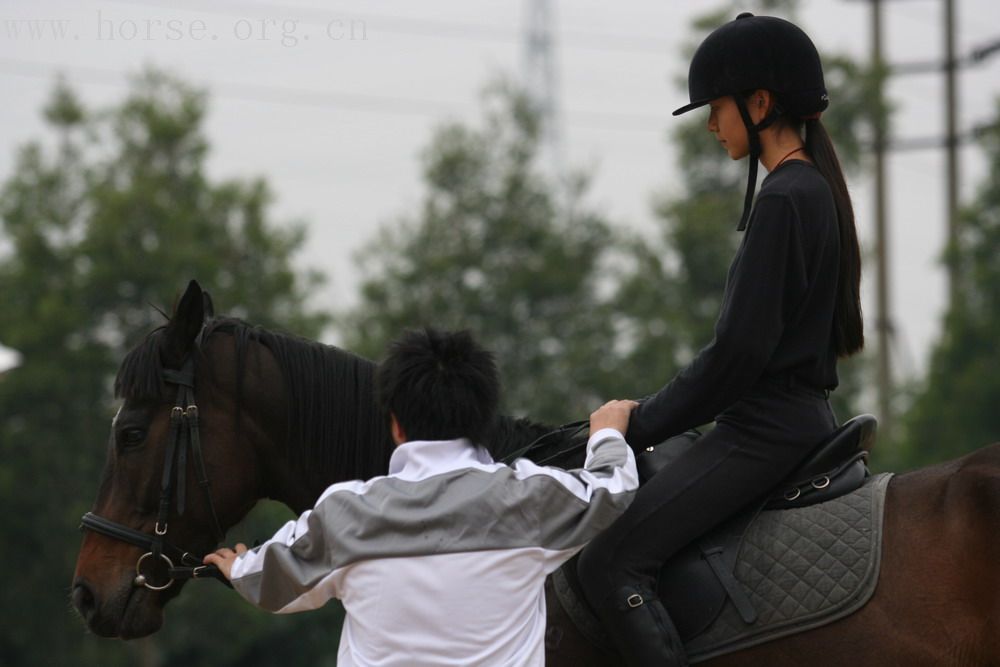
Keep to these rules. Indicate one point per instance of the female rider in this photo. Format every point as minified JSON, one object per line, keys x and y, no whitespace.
{"x":791,"y":308}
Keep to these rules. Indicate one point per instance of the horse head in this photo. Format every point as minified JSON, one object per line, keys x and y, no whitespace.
{"x":151,"y":513}
{"x":253,"y":413}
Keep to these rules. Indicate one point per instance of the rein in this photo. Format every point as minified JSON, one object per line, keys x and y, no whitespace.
{"x":184,"y":434}
{"x":563,"y":433}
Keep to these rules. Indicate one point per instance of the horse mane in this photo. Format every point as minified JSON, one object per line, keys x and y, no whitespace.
{"x":335,"y":430}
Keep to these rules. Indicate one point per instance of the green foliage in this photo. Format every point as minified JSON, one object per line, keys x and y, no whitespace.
{"x":494,"y":249}
{"x":120,"y":213}
{"x":956,"y":410}
{"x":114,"y":218}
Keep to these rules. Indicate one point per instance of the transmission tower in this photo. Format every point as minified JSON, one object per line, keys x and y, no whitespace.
{"x":540,"y":76}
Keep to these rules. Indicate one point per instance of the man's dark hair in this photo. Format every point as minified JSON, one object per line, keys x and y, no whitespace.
{"x":440,"y":385}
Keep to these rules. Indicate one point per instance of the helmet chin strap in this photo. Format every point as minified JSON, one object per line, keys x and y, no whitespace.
{"x":753,"y":134}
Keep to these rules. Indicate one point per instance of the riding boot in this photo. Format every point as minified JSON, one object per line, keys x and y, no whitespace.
{"x":641,"y":629}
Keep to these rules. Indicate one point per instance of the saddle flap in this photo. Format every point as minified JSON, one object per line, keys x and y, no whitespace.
{"x":690,"y":587}
{"x":798,"y":569}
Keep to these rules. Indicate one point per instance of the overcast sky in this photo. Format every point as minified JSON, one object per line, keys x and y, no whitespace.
{"x":332,"y":103}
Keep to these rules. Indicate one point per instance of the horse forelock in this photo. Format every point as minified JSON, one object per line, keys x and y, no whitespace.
{"x":140,"y":375}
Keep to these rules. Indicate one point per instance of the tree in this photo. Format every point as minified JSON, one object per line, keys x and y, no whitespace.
{"x":955,"y":411}
{"x":115,"y":217}
{"x":493,"y":250}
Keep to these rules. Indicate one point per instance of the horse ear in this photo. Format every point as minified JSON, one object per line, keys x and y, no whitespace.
{"x":207,"y":306}
{"x":186,"y":322}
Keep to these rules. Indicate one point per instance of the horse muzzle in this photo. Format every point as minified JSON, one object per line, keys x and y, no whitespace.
{"x":126,"y":612}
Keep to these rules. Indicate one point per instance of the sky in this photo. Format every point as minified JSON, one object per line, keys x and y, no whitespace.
{"x":333,"y":102}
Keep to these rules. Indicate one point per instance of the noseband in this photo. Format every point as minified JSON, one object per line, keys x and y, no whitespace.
{"x":184,"y":432}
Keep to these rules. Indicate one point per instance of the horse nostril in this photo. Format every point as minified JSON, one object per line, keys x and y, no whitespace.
{"x":84,"y":600}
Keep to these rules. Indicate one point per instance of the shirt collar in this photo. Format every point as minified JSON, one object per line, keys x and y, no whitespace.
{"x":418,"y":459}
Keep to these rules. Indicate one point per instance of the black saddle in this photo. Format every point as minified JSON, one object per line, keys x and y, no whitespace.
{"x":695,"y":584}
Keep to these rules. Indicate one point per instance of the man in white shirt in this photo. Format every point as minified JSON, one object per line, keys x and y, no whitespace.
{"x":442,"y":561}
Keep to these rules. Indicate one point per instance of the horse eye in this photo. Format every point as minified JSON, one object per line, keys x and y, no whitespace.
{"x":133,"y":436}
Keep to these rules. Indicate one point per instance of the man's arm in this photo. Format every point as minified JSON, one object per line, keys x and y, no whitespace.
{"x":293,"y":570}
{"x":573,"y":506}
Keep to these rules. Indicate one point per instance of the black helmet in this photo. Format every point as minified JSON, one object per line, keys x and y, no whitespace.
{"x":754,"y":52}
{"x":758,"y":52}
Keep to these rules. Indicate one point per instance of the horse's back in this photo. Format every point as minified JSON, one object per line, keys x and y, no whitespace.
{"x":938,"y":596}
{"x":939,"y":589}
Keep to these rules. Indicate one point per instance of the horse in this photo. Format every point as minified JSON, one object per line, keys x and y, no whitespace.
{"x":282,"y":417}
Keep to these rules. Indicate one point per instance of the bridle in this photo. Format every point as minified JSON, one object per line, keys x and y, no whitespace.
{"x":181,"y":564}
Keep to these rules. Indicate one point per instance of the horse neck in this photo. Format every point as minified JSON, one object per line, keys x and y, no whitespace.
{"x":326,"y":426}
{"x":316,"y":407}
{"x":511,"y":435}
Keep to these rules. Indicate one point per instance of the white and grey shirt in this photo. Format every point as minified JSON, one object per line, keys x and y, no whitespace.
{"x":443,"y":560}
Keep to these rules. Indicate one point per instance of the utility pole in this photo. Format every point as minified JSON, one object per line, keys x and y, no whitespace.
{"x":881,"y":146}
{"x":951,"y":149}
{"x":883,"y":322}
{"x":541,"y":80}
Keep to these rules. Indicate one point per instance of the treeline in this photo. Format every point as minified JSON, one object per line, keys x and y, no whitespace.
{"x":119,"y":213}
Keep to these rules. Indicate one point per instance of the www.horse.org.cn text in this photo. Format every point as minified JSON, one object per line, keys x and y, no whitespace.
{"x":282,"y":31}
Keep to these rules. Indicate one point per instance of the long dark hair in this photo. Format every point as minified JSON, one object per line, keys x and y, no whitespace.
{"x":848,"y":324}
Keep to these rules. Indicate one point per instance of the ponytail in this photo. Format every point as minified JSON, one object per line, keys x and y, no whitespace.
{"x":848,"y":326}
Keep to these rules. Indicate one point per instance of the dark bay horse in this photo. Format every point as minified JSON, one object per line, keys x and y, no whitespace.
{"x":282,"y":418}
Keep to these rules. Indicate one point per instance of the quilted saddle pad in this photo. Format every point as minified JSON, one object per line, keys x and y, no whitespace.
{"x":803,"y":568}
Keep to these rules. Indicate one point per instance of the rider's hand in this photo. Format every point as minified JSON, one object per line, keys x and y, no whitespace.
{"x":613,"y":414}
{"x":224,"y":558}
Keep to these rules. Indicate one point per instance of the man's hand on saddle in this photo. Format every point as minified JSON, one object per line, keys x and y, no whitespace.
{"x":613,"y":414}
{"x":224,"y":558}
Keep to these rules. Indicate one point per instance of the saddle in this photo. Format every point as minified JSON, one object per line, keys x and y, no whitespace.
{"x":696,"y":583}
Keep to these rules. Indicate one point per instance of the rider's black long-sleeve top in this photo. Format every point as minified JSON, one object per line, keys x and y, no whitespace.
{"x":777,"y":312}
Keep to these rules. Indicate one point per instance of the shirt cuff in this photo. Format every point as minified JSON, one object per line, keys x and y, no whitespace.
{"x":602,"y":434}
{"x":243,"y":563}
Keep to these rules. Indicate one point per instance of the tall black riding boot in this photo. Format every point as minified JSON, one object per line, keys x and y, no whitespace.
{"x":642,"y":630}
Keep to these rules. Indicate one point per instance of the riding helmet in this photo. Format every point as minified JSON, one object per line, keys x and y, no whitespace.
{"x":754,"y":52}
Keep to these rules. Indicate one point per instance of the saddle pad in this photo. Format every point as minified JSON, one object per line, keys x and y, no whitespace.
{"x":802,"y":568}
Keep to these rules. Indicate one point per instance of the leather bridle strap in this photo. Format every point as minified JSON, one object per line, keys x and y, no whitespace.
{"x":185,"y":417}
{"x":191,"y":566}
{"x":184,"y":431}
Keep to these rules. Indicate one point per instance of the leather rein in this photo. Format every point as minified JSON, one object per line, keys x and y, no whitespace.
{"x":183,"y":435}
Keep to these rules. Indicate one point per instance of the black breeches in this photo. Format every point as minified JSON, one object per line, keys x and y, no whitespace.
{"x":723,"y":472}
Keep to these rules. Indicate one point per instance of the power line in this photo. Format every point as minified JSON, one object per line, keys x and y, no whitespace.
{"x":976,"y":56}
{"x":336,"y":100}
{"x":923,"y":143}
{"x":540,"y":75}
{"x":427,"y":27}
